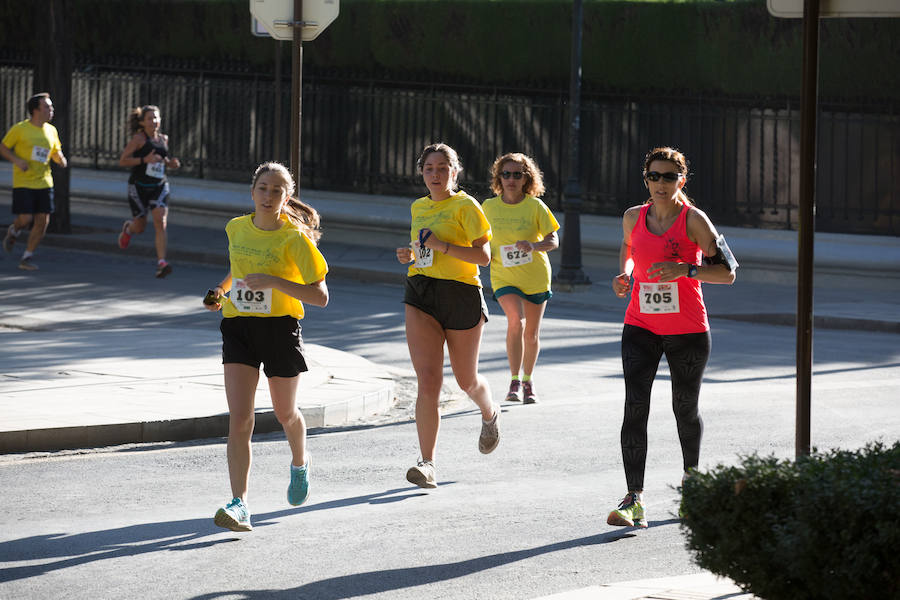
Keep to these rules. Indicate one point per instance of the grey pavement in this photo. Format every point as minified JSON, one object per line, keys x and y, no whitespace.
{"x":857,"y":280}
{"x":857,"y":283}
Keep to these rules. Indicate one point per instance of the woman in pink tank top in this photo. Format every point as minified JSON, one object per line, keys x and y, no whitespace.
{"x":672,"y":246}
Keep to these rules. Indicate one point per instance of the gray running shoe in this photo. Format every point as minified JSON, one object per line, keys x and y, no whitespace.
{"x":490,"y":433}
{"x":26,"y":264}
{"x":9,"y":239}
{"x":422,"y":474}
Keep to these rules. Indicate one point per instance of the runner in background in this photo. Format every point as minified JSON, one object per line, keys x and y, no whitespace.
{"x":147,"y":154}
{"x":30,"y":145}
{"x":524,"y":230}
{"x":444,"y":302}
{"x":673,"y":246}
{"x":275,"y":269}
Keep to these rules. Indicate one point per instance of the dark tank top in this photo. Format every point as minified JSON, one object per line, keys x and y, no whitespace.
{"x":140,"y":174}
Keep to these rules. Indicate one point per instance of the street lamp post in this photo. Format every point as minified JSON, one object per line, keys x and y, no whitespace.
{"x":571,"y":276}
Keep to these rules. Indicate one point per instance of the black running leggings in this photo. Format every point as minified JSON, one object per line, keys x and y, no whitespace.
{"x":687,"y":355}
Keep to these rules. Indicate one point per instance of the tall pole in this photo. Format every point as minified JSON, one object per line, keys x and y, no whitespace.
{"x":276,"y":143}
{"x":53,"y":74}
{"x":296,"y":91}
{"x":571,"y":275}
{"x":808,"y":117}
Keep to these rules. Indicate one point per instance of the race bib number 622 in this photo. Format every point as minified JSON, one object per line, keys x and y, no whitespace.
{"x":513,"y":257}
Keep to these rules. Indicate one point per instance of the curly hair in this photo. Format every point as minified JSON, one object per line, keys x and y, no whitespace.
{"x":534,"y":178}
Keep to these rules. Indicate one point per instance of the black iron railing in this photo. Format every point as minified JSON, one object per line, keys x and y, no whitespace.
{"x":364,"y":135}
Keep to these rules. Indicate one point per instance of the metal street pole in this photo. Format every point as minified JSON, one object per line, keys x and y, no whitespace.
{"x":296,"y":91}
{"x":276,"y":143}
{"x":53,"y":74}
{"x":571,"y":275}
{"x":808,"y":115}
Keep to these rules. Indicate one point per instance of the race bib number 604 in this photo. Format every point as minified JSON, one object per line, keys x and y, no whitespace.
{"x":250,"y":301}
{"x":659,"y":298}
{"x":40,"y":154}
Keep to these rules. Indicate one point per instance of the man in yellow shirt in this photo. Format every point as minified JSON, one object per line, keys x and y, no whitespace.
{"x":30,"y":145}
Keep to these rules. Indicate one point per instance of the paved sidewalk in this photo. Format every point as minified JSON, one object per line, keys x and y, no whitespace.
{"x":700,"y":586}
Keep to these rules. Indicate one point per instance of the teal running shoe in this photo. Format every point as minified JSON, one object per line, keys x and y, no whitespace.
{"x":629,"y":514}
{"x":298,"y":490}
{"x":234,"y":516}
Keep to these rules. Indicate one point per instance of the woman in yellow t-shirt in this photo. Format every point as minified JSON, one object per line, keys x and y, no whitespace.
{"x":444,"y":302}
{"x":275,"y":269}
{"x":524,"y":231}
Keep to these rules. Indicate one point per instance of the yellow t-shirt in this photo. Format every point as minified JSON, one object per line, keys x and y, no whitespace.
{"x":36,"y":145}
{"x":528,"y":220}
{"x":458,"y":220}
{"x":285,"y":253}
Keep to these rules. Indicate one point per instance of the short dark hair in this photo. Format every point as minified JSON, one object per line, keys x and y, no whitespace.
{"x":35,"y":102}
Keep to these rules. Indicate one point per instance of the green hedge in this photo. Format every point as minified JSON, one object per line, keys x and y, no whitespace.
{"x":824,"y":527}
{"x":733,"y":48}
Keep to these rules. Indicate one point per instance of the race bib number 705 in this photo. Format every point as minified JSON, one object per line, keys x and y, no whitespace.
{"x":659,"y":298}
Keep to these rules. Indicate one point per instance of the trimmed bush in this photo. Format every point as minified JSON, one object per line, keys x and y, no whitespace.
{"x":826,"y":526}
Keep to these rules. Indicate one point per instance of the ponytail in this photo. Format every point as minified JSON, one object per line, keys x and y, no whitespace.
{"x":304,"y":216}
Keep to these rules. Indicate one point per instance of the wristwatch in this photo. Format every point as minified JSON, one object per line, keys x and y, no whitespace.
{"x":692,"y":271}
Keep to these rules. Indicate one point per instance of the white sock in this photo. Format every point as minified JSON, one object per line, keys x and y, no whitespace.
{"x":27,"y":254}
{"x":13,"y":231}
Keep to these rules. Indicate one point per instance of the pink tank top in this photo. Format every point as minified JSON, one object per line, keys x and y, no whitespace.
{"x":670,"y":308}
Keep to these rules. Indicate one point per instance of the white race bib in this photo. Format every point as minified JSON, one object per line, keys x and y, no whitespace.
{"x":39,"y":154}
{"x":513,"y":257}
{"x":250,"y":301}
{"x":157,"y":169}
{"x":424,"y":256}
{"x":659,"y":298}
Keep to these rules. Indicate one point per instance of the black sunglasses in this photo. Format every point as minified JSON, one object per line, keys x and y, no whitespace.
{"x":670,"y":177}
{"x":513,"y":174}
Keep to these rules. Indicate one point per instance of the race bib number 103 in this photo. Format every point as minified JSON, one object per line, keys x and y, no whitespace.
{"x":250,"y":301}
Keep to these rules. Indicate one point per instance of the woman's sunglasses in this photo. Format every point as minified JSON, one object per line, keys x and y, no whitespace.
{"x":513,"y":174}
{"x":670,"y":177}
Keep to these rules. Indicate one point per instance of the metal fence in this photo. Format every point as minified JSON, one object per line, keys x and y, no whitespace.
{"x":364,"y":135}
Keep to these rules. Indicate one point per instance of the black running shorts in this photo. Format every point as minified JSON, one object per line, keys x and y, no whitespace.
{"x":26,"y":201}
{"x":273,"y":341}
{"x":453,"y":304}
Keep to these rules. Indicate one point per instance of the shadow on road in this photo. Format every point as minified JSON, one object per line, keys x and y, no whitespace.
{"x":375,"y":582}
{"x":145,"y":538}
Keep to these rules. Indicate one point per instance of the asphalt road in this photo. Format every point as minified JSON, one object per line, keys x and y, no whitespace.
{"x":525,"y":521}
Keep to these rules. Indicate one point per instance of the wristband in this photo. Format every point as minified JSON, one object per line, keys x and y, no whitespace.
{"x":692,"y":271}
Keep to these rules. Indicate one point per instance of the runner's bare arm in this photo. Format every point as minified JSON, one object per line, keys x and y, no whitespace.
{"x":126,"y":159}
{"x":311,"y":293}
{"x":479,"y":253}
{"x":9,"y":155}
{"x":703,"y":233}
